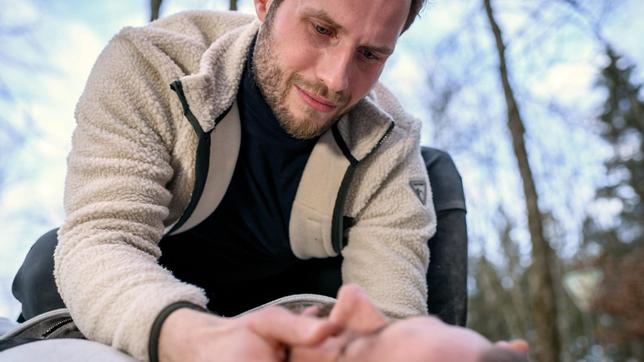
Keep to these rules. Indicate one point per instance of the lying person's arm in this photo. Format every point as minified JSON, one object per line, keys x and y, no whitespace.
{"x":369,"y":336}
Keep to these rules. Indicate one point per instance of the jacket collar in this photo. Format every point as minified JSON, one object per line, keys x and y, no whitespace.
{"x":213,"y":89}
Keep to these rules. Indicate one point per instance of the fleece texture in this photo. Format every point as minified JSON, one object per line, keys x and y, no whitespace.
{"x":131,"y":174}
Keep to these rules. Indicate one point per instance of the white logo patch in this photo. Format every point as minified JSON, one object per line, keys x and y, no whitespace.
{"x":420,"y":189}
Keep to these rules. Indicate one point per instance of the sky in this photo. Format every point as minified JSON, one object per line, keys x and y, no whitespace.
{"x":45,"y":69}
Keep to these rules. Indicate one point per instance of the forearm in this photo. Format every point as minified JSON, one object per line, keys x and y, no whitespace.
{"x":116,"y":200}
{"x":115,"y":291}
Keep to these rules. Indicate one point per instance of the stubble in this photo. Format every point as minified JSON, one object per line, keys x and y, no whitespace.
{"x":275,"y":86}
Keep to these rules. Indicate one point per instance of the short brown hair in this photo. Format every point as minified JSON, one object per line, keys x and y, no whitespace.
{"x":414,"y":10}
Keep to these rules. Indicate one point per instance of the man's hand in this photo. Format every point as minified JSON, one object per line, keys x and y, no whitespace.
{"x":354,"y":310}
{"x":189,"y":335}
{"x":356,"y":314}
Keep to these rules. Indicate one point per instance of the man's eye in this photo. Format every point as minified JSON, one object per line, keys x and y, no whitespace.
{"x":322,"y":30}
{"x":369,"y":55}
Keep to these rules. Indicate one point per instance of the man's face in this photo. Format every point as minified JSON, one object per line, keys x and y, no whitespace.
{"x":315,"y":59}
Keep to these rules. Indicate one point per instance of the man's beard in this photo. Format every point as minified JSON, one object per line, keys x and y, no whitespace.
{"x":275,"y":89}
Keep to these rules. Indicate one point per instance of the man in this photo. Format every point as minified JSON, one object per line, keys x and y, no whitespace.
{"x":275,"y":146}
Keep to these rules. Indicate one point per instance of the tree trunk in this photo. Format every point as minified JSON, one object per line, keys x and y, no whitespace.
{"x":543,"y":294}
{"x":155,"y":6}
{"x":233,"y":5}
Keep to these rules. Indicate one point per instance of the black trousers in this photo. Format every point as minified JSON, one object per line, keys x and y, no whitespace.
{"x":34,"y":285}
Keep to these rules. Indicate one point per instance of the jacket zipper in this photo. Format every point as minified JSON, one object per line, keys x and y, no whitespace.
{"x":57,"y":325}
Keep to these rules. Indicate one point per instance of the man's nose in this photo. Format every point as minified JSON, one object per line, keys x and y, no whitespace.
{"x":334,"y":68}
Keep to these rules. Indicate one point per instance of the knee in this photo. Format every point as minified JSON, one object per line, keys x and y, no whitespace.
{"x":41,"y":255}
{"x":39,"y":262}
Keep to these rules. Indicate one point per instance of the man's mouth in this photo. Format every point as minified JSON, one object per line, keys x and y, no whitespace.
{"x":316,"y":102}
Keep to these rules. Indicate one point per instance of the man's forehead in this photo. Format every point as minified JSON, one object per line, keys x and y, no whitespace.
{"x":375,"y":21}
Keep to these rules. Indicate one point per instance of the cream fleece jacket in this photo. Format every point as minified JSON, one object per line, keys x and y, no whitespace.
{"x":131,"y":175}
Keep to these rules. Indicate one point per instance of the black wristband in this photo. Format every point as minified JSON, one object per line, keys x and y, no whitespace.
{"x":155,"y":331}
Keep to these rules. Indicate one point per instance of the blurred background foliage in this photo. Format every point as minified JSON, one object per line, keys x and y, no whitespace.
{"x":539,"y":102}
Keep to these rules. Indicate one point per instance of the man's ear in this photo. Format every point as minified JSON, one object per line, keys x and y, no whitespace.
{"x":261,"y":8}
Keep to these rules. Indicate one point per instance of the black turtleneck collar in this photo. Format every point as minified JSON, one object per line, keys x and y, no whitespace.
{"x":257,"y":115}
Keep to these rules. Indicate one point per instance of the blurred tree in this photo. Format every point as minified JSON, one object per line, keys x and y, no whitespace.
{"x":155,"y":8}
{"x":620,"y":296}
{"x":490,"y":307}
{"x":542,"y":286}
{"x":499,"y":305}
{"x":622,"y":119}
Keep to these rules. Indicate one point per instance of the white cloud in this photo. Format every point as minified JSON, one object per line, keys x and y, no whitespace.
{"x":21,"y":12}
{"x":406,"y":77}
{"x":34,"y":203}
{"x":568,"y":82}
{"x":440,"y":18}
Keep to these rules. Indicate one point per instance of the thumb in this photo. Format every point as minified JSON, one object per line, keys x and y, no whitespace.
{"x":280,"y":325}
{"x":355,"y":310}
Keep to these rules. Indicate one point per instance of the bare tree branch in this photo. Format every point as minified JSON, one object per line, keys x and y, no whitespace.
{"x":155,"y":7}
{"x":543,"y":291}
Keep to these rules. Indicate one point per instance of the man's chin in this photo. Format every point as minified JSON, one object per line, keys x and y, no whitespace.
{"x":305,"y":132}
{"x":305,"y":128}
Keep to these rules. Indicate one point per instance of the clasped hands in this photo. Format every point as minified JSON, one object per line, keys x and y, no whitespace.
{"x":355,"y":330}
{"x":267,"y":335}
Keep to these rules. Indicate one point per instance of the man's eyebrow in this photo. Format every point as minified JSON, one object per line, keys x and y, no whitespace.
{"x":325,"y":17}
{"x":383,"y":50}
{"x":322,"y":15}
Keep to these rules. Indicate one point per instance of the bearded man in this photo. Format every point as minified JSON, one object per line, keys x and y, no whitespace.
{"x":220,"y":162}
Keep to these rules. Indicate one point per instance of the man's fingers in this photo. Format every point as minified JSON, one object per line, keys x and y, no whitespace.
{"x":279,"y":325}
{"x":311,"y":311}
{"x":518,"y":345}
{"x":355,"y":310}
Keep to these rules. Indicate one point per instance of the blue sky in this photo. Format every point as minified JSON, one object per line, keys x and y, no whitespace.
{"x":66,"y":37}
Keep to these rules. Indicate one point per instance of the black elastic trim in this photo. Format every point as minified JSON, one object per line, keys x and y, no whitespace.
{"x":201,"y":174}
{"x":337,"y":230}
{"x":203,"y":155}
{"x":223,"y":114}
{"x":343,"y":146}
{"x":155,"y":331}
{"x":338,"y":240}
{"x":177,"y":87}
{"x":348,"y":221}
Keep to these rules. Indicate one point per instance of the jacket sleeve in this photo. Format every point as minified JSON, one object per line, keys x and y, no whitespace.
{"x":116,"y":201}
{"x":387,"y":252}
